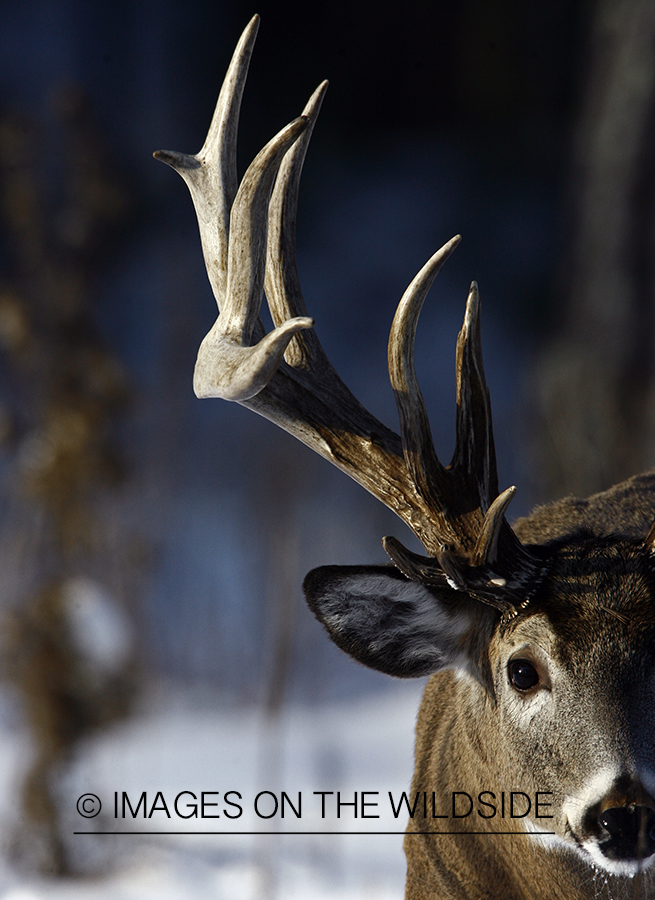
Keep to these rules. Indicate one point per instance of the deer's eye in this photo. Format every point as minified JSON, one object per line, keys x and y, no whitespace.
{"x":523,"y":674}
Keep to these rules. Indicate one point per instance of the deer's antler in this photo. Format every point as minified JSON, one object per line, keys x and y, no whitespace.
{"x":248,"y":240}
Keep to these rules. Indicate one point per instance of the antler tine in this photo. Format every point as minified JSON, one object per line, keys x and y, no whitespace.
{"x":248,"y":236}
{"x":227,"y":366}
{"x":211,"y":175}
{"x":486,"y":546}
{"x":283,"y":289}
{"x":475,"y":455}
{"x":420,"y":456}
{"x":219,"y":149}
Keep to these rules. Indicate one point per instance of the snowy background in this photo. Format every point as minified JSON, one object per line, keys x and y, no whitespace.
{"x":182,"y":742}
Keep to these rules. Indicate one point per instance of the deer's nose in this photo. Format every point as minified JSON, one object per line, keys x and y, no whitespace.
{"x":631,"y":832}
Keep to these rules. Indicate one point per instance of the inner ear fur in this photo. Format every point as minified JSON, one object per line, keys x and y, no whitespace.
{"x":400,"y":627}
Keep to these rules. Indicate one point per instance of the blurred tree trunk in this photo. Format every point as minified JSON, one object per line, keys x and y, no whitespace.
{"x":596,"y":377}
{"x":63,"y":395}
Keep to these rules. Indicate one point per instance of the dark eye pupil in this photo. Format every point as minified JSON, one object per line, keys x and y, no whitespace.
{"x":523,"y":674}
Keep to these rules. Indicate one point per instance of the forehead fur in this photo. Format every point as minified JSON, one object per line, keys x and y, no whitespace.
{"x":598,"y":589}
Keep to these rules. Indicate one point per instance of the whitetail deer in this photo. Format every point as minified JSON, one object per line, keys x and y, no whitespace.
{"x":540,"y":638}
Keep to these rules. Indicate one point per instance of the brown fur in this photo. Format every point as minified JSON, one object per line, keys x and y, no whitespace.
{"x":596,"y":609}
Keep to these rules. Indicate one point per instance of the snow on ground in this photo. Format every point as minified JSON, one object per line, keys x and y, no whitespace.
{"x":180,"y":748}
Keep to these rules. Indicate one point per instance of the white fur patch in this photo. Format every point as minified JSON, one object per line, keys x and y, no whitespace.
{"x":547,"y":841}
{"x":595,"y":789}
{"x":614,"y":867}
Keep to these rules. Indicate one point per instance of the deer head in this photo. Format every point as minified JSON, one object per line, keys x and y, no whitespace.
{"x":541,"y":638}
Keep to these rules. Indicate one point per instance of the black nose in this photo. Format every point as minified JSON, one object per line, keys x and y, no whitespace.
{"x":631,"y":831}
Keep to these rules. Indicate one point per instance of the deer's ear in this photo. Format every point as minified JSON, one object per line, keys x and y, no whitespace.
{"x":389,"y":623}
